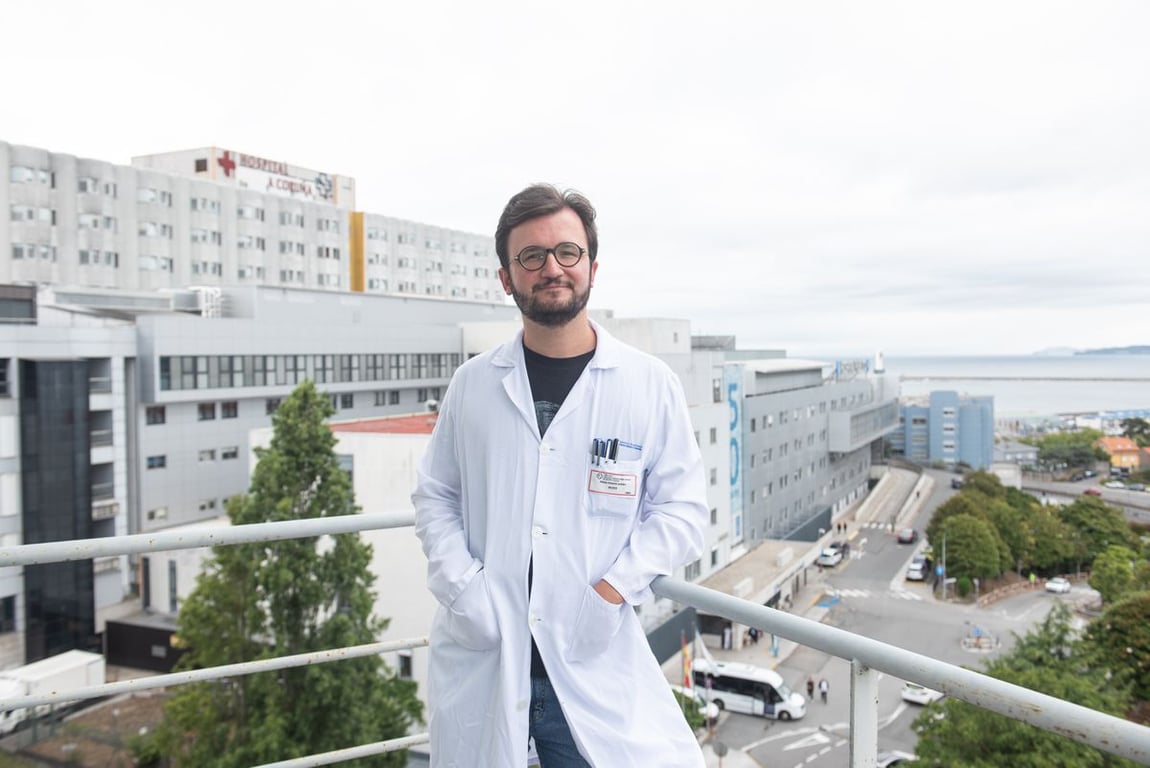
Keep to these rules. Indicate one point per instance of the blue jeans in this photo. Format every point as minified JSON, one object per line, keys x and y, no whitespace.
{"x":547,"y":725}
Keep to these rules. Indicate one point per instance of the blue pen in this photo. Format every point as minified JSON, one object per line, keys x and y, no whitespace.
{"x":614,"y":449}
{"x":595,"y":451}
{"x":602,"y":450}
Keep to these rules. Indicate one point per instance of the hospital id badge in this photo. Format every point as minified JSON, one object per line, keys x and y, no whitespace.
{"x":613,"y":483}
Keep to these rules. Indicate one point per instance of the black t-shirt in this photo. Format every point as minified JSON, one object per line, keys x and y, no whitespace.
{"x":551,"y":380}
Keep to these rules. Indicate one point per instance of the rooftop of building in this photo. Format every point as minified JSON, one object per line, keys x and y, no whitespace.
{"x":411,"y":424}
{"x":1113,"y":444}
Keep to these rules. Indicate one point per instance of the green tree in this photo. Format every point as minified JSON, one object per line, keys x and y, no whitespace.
{"x":1121,"y":635}
{"x":1137,"y":430}
{"x":264,"y":600}
{"x":1112,"y":573}
{"x":972,"y":547}
{"x":1097,"y":526}
{"x":1049,"y":660}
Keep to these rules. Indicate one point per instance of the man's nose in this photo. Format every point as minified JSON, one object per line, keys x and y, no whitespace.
{"x":551,"y":265}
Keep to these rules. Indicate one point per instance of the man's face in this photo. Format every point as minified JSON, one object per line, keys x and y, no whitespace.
{"x":554,"y":295}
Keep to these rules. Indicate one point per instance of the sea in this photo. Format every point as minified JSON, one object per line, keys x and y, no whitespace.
{"x":1034,"y":386}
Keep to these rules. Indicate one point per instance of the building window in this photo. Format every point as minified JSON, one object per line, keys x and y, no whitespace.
{"x":715,"y":557}
{"x":404,"y":669}
{"x":714,"y":476}
{"x":156,"y":414}
{"x":717,"y":390}
{"x":207,"y":505}
{"x":229,"y":409}
{"x":159,"y":513}
{"x":208,"y":454}
{"x":229,"y":453}
{"x":157,"y":462}
{"x":693,"y":570}
{"x":207,"y":411}
{"x":271,"y":405}
{"x":714,"y":435}
{"x":714,"y":515}
{"x":8,"y":614}
{"x":346,"y":400}
{"x":393,"y":397}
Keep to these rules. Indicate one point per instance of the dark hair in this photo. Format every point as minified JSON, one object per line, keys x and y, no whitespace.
{"x":544,"y":200}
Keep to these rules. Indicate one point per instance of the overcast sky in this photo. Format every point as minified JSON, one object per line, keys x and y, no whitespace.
{"x":828,"y":178}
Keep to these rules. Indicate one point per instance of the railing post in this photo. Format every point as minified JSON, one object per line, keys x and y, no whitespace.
{"x":864,"y":715}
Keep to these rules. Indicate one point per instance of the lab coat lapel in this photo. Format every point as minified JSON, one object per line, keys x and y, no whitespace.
{"x":515,"y":382}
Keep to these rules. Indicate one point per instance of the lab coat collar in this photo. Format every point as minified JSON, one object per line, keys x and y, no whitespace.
{"x":608,"y":350}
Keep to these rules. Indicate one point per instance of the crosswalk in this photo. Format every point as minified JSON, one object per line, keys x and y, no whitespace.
{"x":897,"y":594}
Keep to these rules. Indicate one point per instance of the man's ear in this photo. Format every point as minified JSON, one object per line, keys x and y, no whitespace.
{"x":505,"y":279}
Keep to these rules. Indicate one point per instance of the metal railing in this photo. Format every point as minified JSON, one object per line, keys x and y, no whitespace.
{"x":868,"y":658}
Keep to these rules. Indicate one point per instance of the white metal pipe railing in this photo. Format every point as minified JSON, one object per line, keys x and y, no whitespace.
{"x":1108,"y":733}
{"x":213,"y":673}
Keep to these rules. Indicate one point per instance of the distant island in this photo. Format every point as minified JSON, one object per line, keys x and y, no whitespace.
{"x":1140,"y":349}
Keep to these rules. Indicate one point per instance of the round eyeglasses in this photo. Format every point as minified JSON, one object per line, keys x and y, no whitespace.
{"x":533,"y":257}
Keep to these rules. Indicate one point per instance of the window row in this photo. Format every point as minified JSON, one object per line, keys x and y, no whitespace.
{"x":29,"y":251}
{"x":189,"y":372}
{"x":32,"y":213}
{"x":228,"y":453}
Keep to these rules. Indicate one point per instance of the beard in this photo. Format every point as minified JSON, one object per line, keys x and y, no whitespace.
{"x":550,"y":313}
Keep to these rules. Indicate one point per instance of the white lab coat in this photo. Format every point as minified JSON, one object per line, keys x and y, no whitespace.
{"x":491,"y":494}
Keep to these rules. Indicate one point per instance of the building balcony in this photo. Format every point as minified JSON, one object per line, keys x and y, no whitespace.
{"x":869,"y":659}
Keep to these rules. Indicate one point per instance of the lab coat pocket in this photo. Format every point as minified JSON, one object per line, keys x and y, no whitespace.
{"x":613,"y":488}
{"x":471,"y":618}
{"x":596,"y":625}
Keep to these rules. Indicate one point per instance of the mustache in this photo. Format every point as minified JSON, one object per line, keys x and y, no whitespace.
{"x":554,"y":281}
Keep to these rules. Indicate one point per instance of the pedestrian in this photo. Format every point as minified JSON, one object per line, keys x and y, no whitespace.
{"x":754,"y":635}
{"x":565,"y":446}
{"x":824,"y":689}
{"x":810,"y":689}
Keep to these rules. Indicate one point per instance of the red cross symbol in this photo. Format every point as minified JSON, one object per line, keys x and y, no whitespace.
{"x":227,"y":163}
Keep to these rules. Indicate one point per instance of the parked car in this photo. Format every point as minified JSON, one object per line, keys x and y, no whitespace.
{"x":919,"y":694}
{"x":918,"y":569}
{"x":1088,"y":473}
{"x":894,"y":757}
{"x":841,"y":546}
{"x":907,"y":536}
{"x":829,"y":558}
{"x":1093,"y":492}
{"x":1077,"y":477}
{"x":956,"y":483}
{"x":1136,"y":487}
{"x":1058,"y":585}
{"x":1114,"y":484}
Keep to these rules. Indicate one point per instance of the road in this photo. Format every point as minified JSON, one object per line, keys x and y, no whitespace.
{"x":1136,"y":504}
{"x":871,"y":598}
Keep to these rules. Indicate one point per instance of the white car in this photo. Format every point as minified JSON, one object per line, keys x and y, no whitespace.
{"x":1058,"y":585}
{"x":894,"y":757}
{"x":1114,"y":484}
{"x":829,"y":558}
{"x":919,"y":694}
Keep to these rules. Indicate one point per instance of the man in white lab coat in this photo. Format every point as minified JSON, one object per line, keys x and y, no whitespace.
{"x":561,"y":479}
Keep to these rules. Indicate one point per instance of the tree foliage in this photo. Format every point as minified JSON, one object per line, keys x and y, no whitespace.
{"x":1049,"y":660}
{"x":1137,"y":430}
{"x":972,"y":547}
{"x":1121,"y":635}
{"x":271,"y":599}
{"x":1096,"y":526}
{"x":1112,"y":573}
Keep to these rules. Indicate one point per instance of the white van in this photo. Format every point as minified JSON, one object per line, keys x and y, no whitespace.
{"x":918,"y":568}
{"x":747,"y":689}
